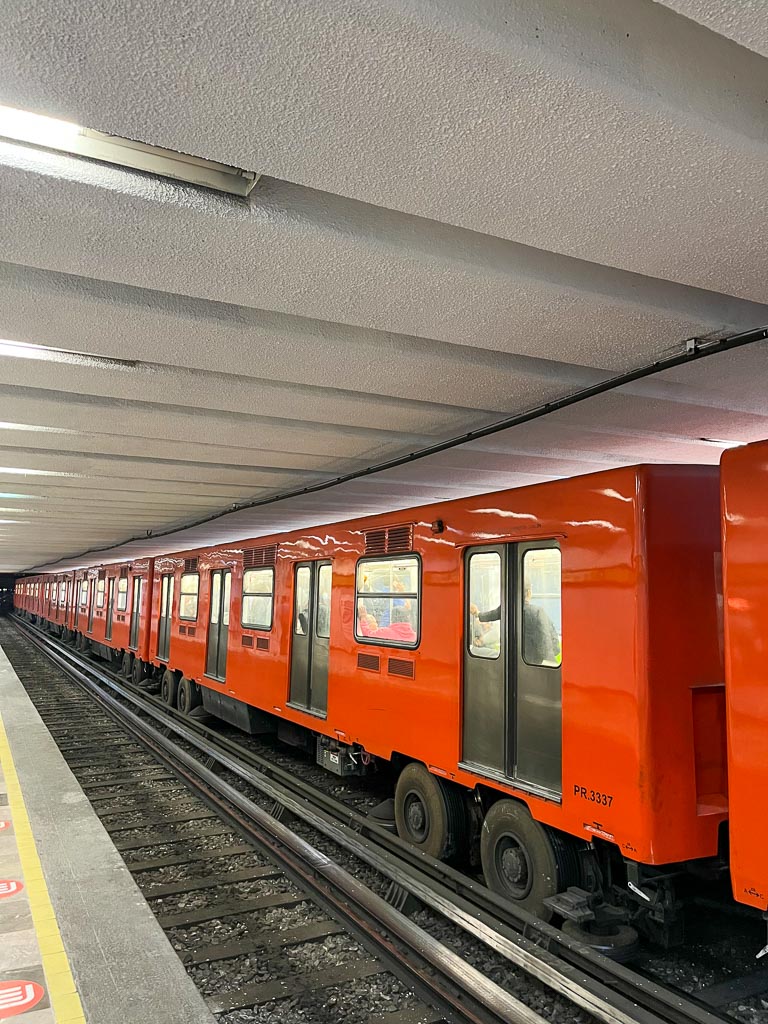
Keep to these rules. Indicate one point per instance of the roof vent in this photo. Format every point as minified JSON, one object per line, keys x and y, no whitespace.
{"x":390,"y":540}
{"x":190,"y":564}
{"x":255,"y":558}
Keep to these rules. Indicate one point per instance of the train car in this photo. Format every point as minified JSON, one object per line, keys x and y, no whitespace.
{"x":541,"y":667}
{"x":745,"y":579}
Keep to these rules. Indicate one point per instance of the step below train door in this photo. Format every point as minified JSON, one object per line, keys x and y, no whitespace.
{"x":310,"y":637}
{"x":512,"y":708}
{"x":218,"y":624}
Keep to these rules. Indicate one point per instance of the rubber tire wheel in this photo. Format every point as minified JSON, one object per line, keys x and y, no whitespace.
{"x":169,"y":688}
{"x":511,"y":821}
{"x":621,"y":945}
{"x":126,"y":666}
{"x":446,"y":836}
{"x":138,"y":672}
{"x":188,"y":696}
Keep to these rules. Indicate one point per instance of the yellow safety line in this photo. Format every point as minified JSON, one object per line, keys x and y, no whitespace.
{"x":60,"y":984}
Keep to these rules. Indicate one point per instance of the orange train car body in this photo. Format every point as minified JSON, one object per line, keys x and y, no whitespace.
{"x":745,"y":579}
{"x":620,"y":738}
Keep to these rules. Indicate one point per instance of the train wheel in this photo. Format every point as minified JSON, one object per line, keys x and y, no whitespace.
{"x":430,"y":814}
{"x":188,"y":697}
{"x":169,"y":688}
{"x":138,"y":672}
{"x":127,"y":665}
{"x":524,"y":861}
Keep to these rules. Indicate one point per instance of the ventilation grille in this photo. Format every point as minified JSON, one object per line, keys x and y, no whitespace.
{"x":191,"y":630}
{"x":247,"y":641}
{"x":124,"y":573}
{"x":262,"y":643}
{"x":401,"y":667}
{"x":390,"y":540}
{"x":183,"y":630}
{"x":369,"y":661}
{"x":102,"y":574}
{"x":255,"y":558}
{"x":190,"y":564}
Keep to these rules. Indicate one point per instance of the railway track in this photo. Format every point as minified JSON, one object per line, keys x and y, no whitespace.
{"x":245,"y":802}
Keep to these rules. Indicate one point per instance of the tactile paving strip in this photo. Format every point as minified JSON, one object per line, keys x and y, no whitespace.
{"x":36,"y":983}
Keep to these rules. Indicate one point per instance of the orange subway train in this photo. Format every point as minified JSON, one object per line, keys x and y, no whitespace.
{"x":561,"y":686}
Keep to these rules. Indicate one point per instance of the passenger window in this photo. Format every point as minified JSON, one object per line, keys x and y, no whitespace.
{"x":323,"y":627}
{"x":100,"y":594}
{"x":301,"y":609}
{"x":542,"y":629}
{"x":387,"y":601}
{"x":188,"y":596}
{"x":258,"y":589}
{"x":84,"y":593}
{"x":122,"y":593}
{"x":54,"y":592}
{"x":484,"y":588}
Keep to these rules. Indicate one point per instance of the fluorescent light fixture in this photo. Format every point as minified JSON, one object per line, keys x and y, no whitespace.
{"x":50,"y":133}
{"x":34,"y":426}
{"x":33,"y":472}
{"x":26,"y":497}
{"x":722,"y":444}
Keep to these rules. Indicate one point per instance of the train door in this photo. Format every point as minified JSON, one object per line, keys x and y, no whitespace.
{"x":110,"y":607}
{"x":166,"y":613}
{"x":218,"y":624}
{"x":310,"y":638}
{"x":512,"y":707}
{"x":133,"y":638}
{"x":91,"y":603}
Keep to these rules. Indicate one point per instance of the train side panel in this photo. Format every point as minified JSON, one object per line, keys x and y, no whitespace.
{"x":745,"y":576}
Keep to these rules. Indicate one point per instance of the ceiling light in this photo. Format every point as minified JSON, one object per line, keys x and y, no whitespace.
{"x":9,"y":494}
{"x":50,"y":133}
{"x":33,"y":472}
{"x":722,"y":444}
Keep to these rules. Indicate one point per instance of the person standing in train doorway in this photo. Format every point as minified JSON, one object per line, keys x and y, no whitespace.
{"x":541,"y":644}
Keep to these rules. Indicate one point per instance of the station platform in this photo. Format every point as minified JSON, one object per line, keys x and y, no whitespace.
{"x":77,"y":939}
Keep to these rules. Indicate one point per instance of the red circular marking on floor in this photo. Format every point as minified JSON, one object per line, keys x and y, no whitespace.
{"x":18,"y":996}
{"x":4,"y":824}
{"x":10,"y":887}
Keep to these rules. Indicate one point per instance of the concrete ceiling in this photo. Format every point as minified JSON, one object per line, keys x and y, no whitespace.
{"x":466,"y":210}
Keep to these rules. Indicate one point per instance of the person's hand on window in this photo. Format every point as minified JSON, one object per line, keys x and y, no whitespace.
{"x":473,"y":609}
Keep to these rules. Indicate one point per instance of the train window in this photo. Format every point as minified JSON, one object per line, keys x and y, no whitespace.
{"x":483,"y":631}
{"x":54,"y":592}
{"x":45,"y":596}
{"x":122,"y":593}
{"x":258,"y":591}
{"x":100,"y":584}
{"x":323,"y":621}
{"x":387,"y":601}
{"x":542,"y":630}
{"x":188,"y":596}
{"x":301,"y":616}
{"x":84,"y":593}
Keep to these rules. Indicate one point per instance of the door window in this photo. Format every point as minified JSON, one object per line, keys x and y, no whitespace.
{"x":483,"y":632}
{"x":542,"y":632}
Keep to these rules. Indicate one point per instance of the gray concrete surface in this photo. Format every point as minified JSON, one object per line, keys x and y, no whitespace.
{"x":124,"y":967}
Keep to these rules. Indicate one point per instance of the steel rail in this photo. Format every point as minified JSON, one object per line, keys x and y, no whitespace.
{"x":609,"y":991}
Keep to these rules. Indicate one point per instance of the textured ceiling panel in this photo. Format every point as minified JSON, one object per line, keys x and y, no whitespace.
{"x":466,"y":212}
{"x":548,"y":123}
{"x":745,"y":21}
